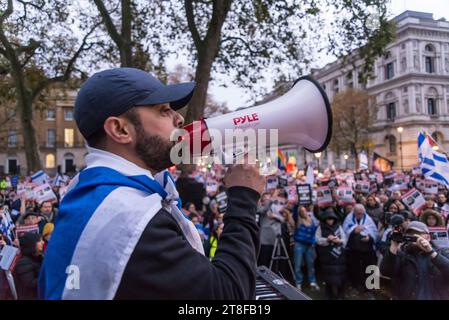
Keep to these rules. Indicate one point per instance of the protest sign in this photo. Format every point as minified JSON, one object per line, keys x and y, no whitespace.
{"x":222,"y":201}
{"x":282,"y":182}
{"x":416,"y":171}
{"x":43,"y":193}
{"x":211,"y":186}
{"x":324,"y":196}
{"x":445,"y":210}
{"x":291,"y":193}
{"x":430,"y":187}
{"x":439,"y":237}
{"x":414,"y":200}
{"x":272,"y":183}
{"x":399,"y":184}
{"x":362,"y":187}
{"x":345,"y":196}
{"x":21,"y":230}
{"x":40,"y":178}
{"x":8,"y":255}
{"x":304,"y":194}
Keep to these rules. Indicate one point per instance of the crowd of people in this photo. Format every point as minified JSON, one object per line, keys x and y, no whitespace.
{"x":329,"y":244}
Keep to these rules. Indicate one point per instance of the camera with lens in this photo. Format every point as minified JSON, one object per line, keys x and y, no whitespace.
{"x":398,"y":234}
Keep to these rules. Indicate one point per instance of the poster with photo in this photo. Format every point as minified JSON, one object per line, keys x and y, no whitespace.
{"x":272,"y":183}
{"x":324,"y":196}
{"x":414,"y":200}
{"x":43,"y":193}
{"x":439,"y":237}
{"x":362,"y":187}
{"x":291,"y":193}
{"x":304,"y":194}
{"x":430,"y":187}
{"x":345,"y":196}
{"x":211,"y":186}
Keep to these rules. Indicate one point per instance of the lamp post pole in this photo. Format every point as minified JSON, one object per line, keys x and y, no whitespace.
{"x":400,"y":130}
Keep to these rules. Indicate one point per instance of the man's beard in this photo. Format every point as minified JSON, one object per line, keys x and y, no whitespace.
{"x":153,"y":150}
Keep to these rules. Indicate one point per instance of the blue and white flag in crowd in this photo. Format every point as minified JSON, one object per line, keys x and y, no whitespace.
{"x":310,"y":179}
{"x":363,"y":160}
{"x":40,"y":177}
{"x":6,"y":226}
{"x":434,"y":164}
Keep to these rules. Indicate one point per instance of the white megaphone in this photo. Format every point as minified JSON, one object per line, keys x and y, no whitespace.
{"x":302,"y":116}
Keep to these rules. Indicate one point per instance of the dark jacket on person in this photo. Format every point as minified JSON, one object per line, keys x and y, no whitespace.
{"x":376,"y":213}
{"x":162,"y":265}
{"x":331,"y":256}
{"x":26,"y":271}
{"x":416,"y":276}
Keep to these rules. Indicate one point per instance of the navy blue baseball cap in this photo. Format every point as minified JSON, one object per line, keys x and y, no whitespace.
{"x":113,"y":92}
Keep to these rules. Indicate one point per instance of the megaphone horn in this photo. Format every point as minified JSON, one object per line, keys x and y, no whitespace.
{"x":302,"y":116}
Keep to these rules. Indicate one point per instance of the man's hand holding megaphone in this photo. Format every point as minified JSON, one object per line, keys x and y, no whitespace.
{"x":244,"y":175}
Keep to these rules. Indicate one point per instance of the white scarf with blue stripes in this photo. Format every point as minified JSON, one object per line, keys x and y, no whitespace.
{"x":101,"y":218}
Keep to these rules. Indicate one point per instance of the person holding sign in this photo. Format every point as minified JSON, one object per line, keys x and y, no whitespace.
{"x":418,"y":271}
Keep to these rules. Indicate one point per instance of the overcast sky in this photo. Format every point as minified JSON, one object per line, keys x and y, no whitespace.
{"x":235,"y":97}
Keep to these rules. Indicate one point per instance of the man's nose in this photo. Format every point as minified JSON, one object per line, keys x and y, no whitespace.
{"x":179,"y":120}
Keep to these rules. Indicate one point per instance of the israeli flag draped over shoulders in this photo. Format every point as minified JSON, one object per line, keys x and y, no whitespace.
{"x":434,"y":164}
{"x":101,"y":218}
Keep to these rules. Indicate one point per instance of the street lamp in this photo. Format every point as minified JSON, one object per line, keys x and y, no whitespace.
{"x":346,"y":161}
{"x":400,"y":129}
{"x":318,"y":155}
{"x":435,"y":148}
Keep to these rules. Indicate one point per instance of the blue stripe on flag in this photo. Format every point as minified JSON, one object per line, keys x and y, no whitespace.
{"x":75,"y":211}
{"x":421,"y":139}
{"x":439,"y":177}
{"x":37,"y":175}
{"x":440,"y":158}
{"x":428,"y":161}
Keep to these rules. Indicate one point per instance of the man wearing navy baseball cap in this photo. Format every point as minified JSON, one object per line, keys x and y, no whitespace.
{"x":120,"y":233}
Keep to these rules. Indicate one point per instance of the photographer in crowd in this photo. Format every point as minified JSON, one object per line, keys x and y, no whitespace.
{"x":417,"y":269}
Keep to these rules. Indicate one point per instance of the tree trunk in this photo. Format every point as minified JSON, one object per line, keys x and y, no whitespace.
{"x":207,"y":50}
{"x":25,"y":107}
{"x":202,"y":77}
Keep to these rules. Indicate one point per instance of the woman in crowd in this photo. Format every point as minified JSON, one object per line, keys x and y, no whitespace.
{"x":304,"y":248}
{"x":331,"y":241}
{"x":26,"y":272}
{"x":431,"y":218}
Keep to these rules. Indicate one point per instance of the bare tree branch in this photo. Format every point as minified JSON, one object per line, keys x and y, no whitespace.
{"x":112,"y":30}
{"x":191,"y":24}
{"x":66,"y":75}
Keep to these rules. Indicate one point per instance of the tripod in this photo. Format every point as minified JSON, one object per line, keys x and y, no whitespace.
{"x":277,"y":255}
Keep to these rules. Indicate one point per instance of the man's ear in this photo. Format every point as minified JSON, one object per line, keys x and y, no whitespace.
{"x":119,"y":130}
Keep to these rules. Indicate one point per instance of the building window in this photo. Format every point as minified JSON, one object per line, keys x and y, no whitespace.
{"x":429,"y":48}
{"x":50,"y":161}
{"x":68,"y":114}
{"x":431,"y":106}
{"x":389,"y":71}
{"x":12,"y":139}
{"x":430,"y":67}
{"x":391,"y":111}
{"x":68,"y":138}
{"x":51,"y":114}
{"x":51,"y":138}
{"x":392,"y":144}
{"x":336,"y":89}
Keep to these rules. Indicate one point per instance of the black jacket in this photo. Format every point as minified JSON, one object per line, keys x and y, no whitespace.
{"x":404,"y":270}
{"x":165,"y":266}
{"x":26,"y":274}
